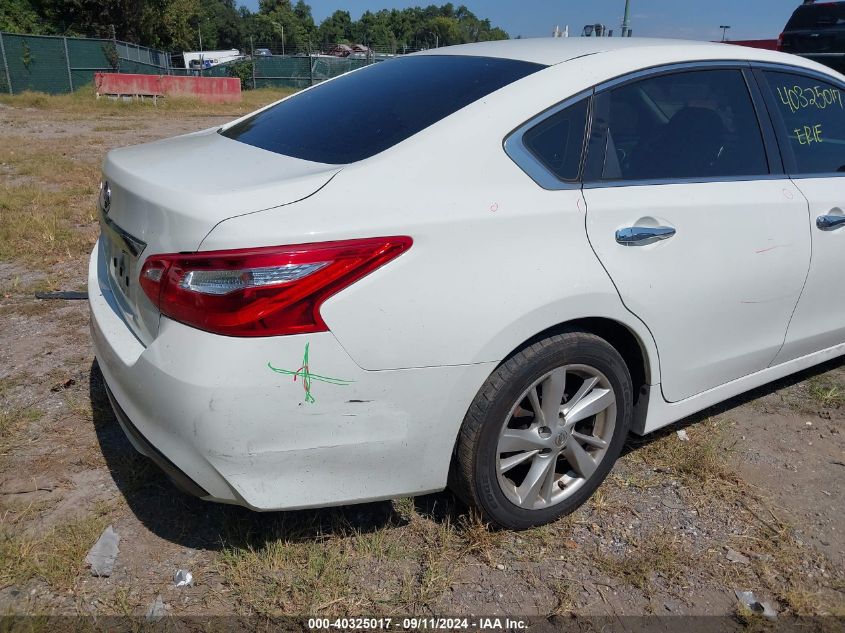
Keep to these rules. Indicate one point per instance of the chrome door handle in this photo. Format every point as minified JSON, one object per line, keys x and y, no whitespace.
{"x":642,"y":235}
{"x":830,"y":222}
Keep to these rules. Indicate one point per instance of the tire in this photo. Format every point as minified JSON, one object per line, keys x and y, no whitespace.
{"x":502,"y":417}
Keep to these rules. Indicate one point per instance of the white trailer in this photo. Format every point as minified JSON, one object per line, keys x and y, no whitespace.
{"x":206,"y":59}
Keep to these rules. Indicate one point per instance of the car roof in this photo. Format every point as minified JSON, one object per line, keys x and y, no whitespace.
{"x":556,"y":50}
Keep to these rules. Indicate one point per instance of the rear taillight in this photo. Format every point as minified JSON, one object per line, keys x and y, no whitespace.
{"x":269,"y":291}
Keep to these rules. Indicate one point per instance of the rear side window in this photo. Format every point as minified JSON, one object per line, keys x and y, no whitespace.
{"x":557,"y":141}
{"x":365,"y":112}
{"x":810,"y":119}
{"x":688,"y":125}
{"x":812,"y":16}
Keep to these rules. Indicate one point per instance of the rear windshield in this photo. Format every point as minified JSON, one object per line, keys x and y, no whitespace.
{"x":811,"y":16}
{"x":365,"y":112}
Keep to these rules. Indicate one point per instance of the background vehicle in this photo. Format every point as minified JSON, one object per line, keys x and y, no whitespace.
{"x":487,"y":268}
{"x":207,"y":59}
{"x":817,"y":31}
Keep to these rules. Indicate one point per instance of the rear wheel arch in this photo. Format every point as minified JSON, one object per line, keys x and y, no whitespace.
{"x":635,"y":353}
{"x":629,"y":345}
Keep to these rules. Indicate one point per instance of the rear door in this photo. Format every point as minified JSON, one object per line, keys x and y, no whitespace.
{"x":809,"y":115}
{"x":689,"y":211}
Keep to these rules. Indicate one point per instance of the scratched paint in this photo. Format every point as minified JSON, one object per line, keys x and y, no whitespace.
{"x":304,"y":372}
{"x":771,"y":248}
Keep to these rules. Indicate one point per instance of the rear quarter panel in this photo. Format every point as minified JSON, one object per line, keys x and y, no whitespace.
{"x":496,"y":259}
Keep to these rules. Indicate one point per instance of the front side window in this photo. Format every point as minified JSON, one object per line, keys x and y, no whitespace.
{"x":686,"y":125}
{"x":370,"y":110}
{"x":810,"y":117}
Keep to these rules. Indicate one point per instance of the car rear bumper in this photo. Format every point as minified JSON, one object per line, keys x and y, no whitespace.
{"x":211,"y":411}
{"x":179,"y":479}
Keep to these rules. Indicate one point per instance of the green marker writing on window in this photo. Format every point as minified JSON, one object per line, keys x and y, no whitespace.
{"x":809,"y":134}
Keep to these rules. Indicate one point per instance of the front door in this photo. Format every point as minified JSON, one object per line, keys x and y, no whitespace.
{"x":809,"y":117}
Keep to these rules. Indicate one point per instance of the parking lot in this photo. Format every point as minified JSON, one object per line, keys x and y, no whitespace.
{"x":749,"y":497}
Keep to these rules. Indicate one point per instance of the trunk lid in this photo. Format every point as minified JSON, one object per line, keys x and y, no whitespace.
{"x":165,"y":197}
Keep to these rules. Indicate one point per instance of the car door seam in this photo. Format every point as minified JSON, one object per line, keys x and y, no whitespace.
{"x":806,"y":276}
{"x":619,"y":294}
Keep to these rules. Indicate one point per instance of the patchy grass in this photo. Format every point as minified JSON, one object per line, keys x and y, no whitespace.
{"x":656,"y":553}
{"x":116,"y":127}
{"x":27,"y":308}
{"x":824,"y":392}
{"x":564,"y":598}
{"x":58,"y":558}
{"x":17,"y":511}
{"x":700,"y":463}
{"x":40,"y":227}
{"x":14,"y":380}
{"x":61,"y":554}
{"x":17,"y":558}
{"x":12,"y":422}
{"x":18,"y":287}
{"x":379,"y":545}
{"x":404,"y":507}
{"x":781,"y":562}
{"x":41,"y":159}
{"x":83,"y":103}
{"x":436,"y":561}
{"x":281,"y":576}
{"x":478,"y":538}
{"x":310,"y":563}
{"x":751,"y":622}
{"x":123,"y":603}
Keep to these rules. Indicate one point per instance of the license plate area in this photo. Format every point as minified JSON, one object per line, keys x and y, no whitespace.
{"x":816,"y":44}
{"x":122,"y":251}
{"x":121,"y":269}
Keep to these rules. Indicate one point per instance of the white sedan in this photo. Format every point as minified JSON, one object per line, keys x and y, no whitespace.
{"x":481,"y":266}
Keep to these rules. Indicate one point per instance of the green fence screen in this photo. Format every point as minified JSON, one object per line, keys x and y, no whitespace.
{"x":64,"y":64}
{"x":300,"y":72}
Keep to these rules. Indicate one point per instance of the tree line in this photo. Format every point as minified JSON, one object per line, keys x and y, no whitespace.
{"x":178,"y":25}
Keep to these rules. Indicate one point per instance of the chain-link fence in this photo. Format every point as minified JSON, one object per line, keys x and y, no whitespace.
{"x":300,"y":71}
{"x":64,"y":64}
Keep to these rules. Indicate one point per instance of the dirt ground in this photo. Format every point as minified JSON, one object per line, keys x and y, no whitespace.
{"x":753,"y":500}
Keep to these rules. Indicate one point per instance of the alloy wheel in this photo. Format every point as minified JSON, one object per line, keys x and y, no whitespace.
{"x":555,"y":436}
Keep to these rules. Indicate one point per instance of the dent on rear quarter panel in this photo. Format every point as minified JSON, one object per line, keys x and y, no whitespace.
{"x":378,"y":434}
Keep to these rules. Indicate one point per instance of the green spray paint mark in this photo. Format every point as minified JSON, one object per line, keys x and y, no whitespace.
{"x":305,"y":373}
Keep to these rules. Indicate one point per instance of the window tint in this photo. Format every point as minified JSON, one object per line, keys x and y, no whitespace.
{"x":363,"y":113}
{"x":810,"y":16}
{"x":811,"y":115}
{"x":558,"y":140}
{"x":698,"y":124}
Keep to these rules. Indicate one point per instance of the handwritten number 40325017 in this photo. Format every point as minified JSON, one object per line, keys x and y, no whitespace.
{"x":798,"y":98}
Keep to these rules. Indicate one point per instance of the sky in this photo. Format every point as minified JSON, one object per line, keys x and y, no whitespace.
{"x":688,"y":19}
